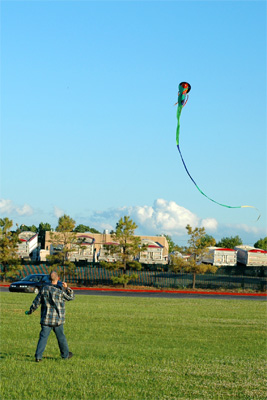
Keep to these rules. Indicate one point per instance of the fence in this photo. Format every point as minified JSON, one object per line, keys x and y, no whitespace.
{"x":94,"y":275}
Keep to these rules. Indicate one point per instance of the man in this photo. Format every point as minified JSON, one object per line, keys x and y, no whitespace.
{"x":52,"y":299}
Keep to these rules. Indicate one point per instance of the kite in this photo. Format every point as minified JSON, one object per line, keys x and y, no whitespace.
{"x":184,"y":89}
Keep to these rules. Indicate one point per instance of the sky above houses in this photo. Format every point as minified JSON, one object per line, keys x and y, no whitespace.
{"x":88,"y":121}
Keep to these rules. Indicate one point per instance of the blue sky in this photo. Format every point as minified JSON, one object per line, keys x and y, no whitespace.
{"x":88,"y":120}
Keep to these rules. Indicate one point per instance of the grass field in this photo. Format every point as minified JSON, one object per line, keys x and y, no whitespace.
{"x":137,"y":348}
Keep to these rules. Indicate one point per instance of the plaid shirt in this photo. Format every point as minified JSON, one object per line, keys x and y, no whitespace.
{"x":52,"y":300}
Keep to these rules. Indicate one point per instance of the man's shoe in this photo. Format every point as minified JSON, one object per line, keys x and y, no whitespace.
{"x":38,"y":359}
{"x":69,"y":356}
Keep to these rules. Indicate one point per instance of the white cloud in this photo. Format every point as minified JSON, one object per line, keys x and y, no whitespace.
{"x":8,"y":207}
{"x":24,"y":210}
{"x":248,"y":229}
{"x":210,"y":224}
{"x":58,"y":212}
{"x":103,"y":226}
{"x":163,"y":217}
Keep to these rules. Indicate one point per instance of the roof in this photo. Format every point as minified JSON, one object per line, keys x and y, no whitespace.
{"x":151,"y":244}
{"x":258,"y":251}
{"x":220,"y":248}
{"x":86,"y":241}
{"x":250,"y":249}
{"x":27,"y":236}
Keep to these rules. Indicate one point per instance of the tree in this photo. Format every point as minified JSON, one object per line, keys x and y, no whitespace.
{"x":65,"y":224}
{"x":230,"y":242}
{"x":62,"y":240}
{"x":26,"y":228}
{"x":126,"y":248}
{"x":128,"y":244}
{"x":261,"y":244}
{"x":172,"y":245}
{"x":9,"y":258}
{"x":84,"y":228}
{"x":42,"y":228}
{"x":5,"y":225}
{"x":208,"y":240}
{"x":198,"y":242}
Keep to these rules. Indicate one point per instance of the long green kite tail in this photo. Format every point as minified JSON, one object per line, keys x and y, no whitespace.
{"x":184,"y":89}
{"x":179,"y":110}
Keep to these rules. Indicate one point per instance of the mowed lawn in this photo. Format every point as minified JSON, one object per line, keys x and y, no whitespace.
{"x":137,"y":348}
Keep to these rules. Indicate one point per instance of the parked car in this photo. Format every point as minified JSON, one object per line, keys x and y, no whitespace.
{"x":31,"y":283}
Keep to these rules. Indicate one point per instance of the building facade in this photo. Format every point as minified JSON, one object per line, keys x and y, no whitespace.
{"x":91,"y":245}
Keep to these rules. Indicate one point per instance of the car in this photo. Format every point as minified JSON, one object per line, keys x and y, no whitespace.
{"x":31,"y":283}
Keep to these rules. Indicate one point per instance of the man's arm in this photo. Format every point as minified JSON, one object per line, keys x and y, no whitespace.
{"x":68,"y":293}
{"x":35,"y":304}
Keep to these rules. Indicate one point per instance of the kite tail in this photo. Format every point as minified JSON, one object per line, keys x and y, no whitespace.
{"x":179,"y":110}
{"x":220,"y":204}
{"x":255,"y":209}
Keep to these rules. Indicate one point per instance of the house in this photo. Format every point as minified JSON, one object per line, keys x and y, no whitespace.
{"x":153,"y":254}
{"x":83,"y":249}
{"x":105,"y":254}
{"x":251,"y":256}
{"x":28,"y":244}
{"x":220,"y":256}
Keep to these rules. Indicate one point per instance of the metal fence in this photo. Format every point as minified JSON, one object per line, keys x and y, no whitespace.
{"x":94,"y":275}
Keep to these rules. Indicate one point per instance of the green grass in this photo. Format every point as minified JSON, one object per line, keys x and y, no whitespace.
{"x":137,"y":348}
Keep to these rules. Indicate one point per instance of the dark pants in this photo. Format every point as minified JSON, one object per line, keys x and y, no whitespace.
{"x":61,"y":338}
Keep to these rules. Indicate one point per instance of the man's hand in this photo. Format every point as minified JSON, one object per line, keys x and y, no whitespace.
{"x":27,"y":312}
{"x":64,"y":285}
